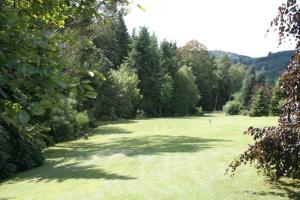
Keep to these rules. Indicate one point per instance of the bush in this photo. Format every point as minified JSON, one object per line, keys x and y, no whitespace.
{"x":17,"y":152}
{"x":6,"y":167}
{"x":82,"y":121}
{"x":232,"y":107}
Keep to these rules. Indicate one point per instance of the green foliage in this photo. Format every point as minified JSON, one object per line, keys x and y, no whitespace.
{"x":113,"y":39}
{"x":271,"y":65}
{"x":40,"y":67}
{"x":237,"y":73}
{"x":81,"y":120}
{"x":166,"y":94}
{"x":276,"y":149}
{"x":195,"y":55}
{"x":232,"y":107}
{"x":144,"y":58}
{"x":125,"y":82}
{"x":223,"y":82}
{"x":277,"y":100}
{"x":247,"y":88}
{"x":260,"y":104}
{"x":186,"y":94}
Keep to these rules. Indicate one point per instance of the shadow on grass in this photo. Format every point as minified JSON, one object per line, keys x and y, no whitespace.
{"x":134,"y":146}
{"x":59,"y":171}
{"x":105,"y":130}
{"x":71,"y":160}
{"x":284,"y":188}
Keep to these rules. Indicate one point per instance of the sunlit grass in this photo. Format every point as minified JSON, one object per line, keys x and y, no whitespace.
{"x":169,"y":158}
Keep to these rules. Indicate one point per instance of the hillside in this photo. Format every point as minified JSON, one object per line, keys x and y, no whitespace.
{"x":272,"y":65}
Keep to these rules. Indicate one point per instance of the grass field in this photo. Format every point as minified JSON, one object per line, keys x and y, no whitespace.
{"x":168,"y":158}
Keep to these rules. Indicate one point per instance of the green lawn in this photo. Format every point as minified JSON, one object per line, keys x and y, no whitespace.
{"x":169,"y":158}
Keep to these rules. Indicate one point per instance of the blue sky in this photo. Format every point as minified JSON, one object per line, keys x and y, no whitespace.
{"x":238,"y":26}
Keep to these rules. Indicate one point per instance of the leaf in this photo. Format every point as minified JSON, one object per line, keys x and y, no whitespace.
{"x":91,"y":74}
{"x":91,"y":94}
{"x":86,"y":81}
{"x":99,"y":75}
{"x":88,"y":87}
{"x":61,"y":83}
{"x":38,"y":109}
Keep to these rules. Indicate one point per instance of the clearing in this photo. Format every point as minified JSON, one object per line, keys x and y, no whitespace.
{"x":166,"y":158}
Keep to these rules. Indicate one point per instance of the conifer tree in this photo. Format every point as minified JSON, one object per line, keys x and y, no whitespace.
{"x":247,"y":88}
{"x":260,"y":104}
{"x":144,"y":58}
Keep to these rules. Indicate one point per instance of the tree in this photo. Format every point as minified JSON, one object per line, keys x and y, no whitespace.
{"x":260,"y":104}
{"x":247,"y":88}
{"x":276,"y":149}
{"x":195,"y":55}
{"x":39,"y":41}
{"x":125,"y":82}
{"x":144,"y":58}
{"x":169,"y":67}
{"x":186,"y":94}
{"x":237,"y":73}
{"x":113,"y":38}
{"x":276,"y":100}
{"x":166,"y":94}
{"x":224,"y":82}
{"x":168,"y":58}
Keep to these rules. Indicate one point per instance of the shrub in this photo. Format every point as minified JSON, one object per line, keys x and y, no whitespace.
{"x":17,"y":152}
{"x":82,"y":121}
{"x":232,"y":107}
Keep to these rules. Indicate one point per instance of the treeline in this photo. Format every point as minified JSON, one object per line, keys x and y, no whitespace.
{"x":257,"y":97}
{"x":67,"y":64}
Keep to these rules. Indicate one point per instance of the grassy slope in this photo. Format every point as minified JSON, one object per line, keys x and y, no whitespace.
{"x":179,"y":158}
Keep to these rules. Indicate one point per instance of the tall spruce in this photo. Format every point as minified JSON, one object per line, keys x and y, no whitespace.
{"x":223,"y":81}
{"x":113,"y":38}
{"x":169,"y":67}
{"x":144,"y":58}
{"x":247,"y":88}
{"x":260,"y":104}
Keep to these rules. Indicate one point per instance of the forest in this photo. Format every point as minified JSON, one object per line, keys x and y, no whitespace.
{"x":67,"y":65}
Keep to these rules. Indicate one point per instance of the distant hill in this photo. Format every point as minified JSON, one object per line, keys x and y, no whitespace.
{"x":272,"y":65}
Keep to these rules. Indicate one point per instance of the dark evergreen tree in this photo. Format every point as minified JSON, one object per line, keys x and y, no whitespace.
{"x":260,"y":104}
{"x":247,"y":89}
{"x":144,"y":57}
{"x":113,"y":38}
{"x":168,"y":58}
{"x":169,"y":67}
{"x":277,"y":100}
{"x":122,"y":37}
{"x":223,"y":81}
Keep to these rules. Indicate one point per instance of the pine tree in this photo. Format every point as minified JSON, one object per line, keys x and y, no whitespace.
{"x":144,"y":58}
{"x":276,"y":101}
{"x":113,"y":38}
{"x":260,"y":104}
{"x":223,"y":81}
{"x":247,"y":89}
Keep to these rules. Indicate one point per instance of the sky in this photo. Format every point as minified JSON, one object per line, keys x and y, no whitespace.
{"x":238,"y":26}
